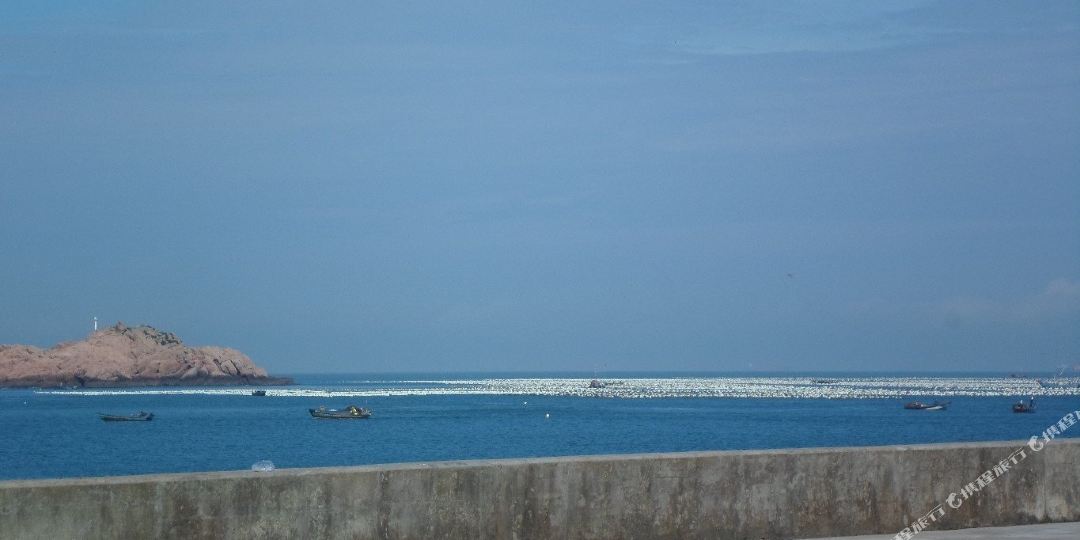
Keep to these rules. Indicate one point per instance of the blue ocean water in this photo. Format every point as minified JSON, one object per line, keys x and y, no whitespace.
{"x":49,"y":434}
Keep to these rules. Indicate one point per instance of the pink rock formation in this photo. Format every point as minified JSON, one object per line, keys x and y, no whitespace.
{"x":127,"y":356}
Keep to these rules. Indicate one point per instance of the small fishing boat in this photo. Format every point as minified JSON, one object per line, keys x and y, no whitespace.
{"x":596,"y":383}
{"x":140,"y":416}
{"x":352,"y":411}
{"x":1021,"y":407}
{"x":258,"y":392}
{"x":920,"y":406}
{"x":1057,"y":381}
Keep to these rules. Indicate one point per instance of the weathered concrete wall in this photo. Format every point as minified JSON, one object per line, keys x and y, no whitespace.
{"x":714,"y":495}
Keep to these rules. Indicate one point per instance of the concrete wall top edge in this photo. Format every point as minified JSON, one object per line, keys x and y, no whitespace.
{"x":298,"y":472}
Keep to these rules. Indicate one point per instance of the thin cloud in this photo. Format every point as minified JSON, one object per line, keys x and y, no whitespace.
{"x":1061,"y":297}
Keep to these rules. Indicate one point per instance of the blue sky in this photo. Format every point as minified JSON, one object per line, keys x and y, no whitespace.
{"x":382,"y":186}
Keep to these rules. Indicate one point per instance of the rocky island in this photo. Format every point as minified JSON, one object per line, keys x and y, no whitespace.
{"x":128,"y":356}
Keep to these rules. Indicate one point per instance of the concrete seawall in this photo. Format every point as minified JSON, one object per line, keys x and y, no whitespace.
{"x":716,"y":495}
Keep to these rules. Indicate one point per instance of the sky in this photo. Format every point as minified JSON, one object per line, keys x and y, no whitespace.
{"x":539,"y":186}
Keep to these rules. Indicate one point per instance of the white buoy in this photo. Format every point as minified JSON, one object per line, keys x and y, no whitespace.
{"x":547,"y":415}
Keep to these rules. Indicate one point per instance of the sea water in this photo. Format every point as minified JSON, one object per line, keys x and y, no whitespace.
{"x":423,"y":418}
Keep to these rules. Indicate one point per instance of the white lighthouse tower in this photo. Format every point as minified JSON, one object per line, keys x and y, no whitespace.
{"x":95,"y":324}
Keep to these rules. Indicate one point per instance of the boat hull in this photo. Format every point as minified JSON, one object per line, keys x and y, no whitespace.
{"x":126,"y":418}
{"x":346,"y":414}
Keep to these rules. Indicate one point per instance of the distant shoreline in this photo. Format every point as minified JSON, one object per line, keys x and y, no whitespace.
{"x":149,"y":383}
{"x":667,"y":373}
